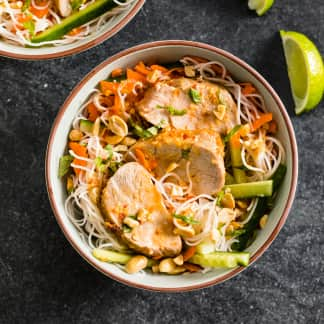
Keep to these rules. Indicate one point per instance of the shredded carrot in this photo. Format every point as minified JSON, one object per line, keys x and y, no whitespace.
{"x":141,"y":158}
{"x":273,"y":127}
{"x":117,"y":72}
{"x":117,"y":107}
{"x":127,"y":86}
{"x":264,"y":118}
{"x":93,"y":112}
{"x":192,"y":267}
{"x":21,"y":18}
{"x":76,"y":31}
{"x":189,"y":253}
{"x":108,"y":88}
{"x":81,"y":151}
{"x":39,"y":13}
{"x":153,"y":164}
{"x":247,"y":88}
{"x":141,"y":68}
{"x":133,"y":75}
{"x":159,"y":67}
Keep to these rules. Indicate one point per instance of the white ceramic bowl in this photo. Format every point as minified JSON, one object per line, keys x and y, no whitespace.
{"x":170,"y":51}
{"x":50,"y":52}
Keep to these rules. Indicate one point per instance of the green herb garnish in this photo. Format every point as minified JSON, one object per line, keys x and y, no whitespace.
{"x":194,"y":95}
{"x":126,"y":228}
{"x":117,"y":79}
{"x":146,"y":133}
{"x":114,"y":166}
{"x":238,"y":232}
{"x":186,"y":219}
{"x":98,"y":161}
{"x":26,"y":5}
{"x":64,"y":165}
{"x":30,"y":26}
{"x":220,"y":196}
{"x":231,"y":133}
{"x":185,"y":153}
{"x":173,"y":111}
{"x":110,"y":151}
{"x":76,"y":4}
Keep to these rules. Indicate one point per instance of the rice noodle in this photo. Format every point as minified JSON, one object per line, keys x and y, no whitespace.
{"x":22,"y":37}
{"x":261,"y":155}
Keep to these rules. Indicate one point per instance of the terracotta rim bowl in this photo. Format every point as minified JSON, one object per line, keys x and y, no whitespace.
{"x":48,"y":52}
{"x":160,"y":51}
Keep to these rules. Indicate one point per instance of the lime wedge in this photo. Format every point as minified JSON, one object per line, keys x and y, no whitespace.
{"x":260,"y":6}
{"x":305,"y":70}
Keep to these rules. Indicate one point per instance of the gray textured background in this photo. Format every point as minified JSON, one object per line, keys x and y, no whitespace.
{"x":43,"y":280}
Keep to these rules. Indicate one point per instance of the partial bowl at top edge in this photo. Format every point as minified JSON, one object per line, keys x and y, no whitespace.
{"x":164,"y":52}
{"x":108,"y":30}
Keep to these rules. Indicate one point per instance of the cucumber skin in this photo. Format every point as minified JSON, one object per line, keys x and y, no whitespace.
{"x":117,"y":257}
{"x":260,"y":210}
{"x":221,"y":259}
{"x":253,"y":223}
{"x":251,"y":189}
{"x":75,"y":20}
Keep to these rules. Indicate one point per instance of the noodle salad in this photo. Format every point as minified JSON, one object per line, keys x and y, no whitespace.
{"x":36,"y":23}
{"x":172,"y":168}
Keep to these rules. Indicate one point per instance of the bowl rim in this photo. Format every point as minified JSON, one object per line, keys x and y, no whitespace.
{"x":292,"y":140}
{"x":81,"y":48}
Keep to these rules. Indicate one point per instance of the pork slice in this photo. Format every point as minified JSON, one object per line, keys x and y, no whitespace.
{"x":200,"y":115}
{"x":202,"y":149}
{"x":131,"y":191}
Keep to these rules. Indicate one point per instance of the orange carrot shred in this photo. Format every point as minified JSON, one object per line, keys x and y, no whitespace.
{"x":133,"y":75}
{"x":273,"y":127}
{"x":39,"y":13}
{"x":264,"y":118}
{"x":76,"y":31}
{"x":107,"y":88}
{"x":93,"y":112}
{"x":81,"y":151}
{"x":141,"y":68}
{"x":141,"y":159}
{"x":117,"y":72}
{"x":189,"y":253}
{"x":247,"y":88}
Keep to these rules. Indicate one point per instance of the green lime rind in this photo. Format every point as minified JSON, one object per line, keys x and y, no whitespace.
{"x":305,"y":70}
{"x":260,"y":6}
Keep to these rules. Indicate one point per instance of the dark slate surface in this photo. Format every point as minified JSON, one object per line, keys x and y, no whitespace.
{"x":43,"y":280}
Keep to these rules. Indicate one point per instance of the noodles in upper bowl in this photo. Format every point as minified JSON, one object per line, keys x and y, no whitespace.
{"x":172,"y":168}
{"x":36,"y":23}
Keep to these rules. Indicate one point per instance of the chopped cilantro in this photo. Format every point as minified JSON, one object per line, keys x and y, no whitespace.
{"x":26,"y":5}
{"x":185,"y":153}
{"x":186,"y":219}
{"x":173,"y":111}
{"x":194,"y":95}
{"x":146,"y":133}
{"x":117,"y":79}
{"x":76,"y":4}
{"x":126,"y":228}
{"x":110,"y":151}
{"x":30,"y":26}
